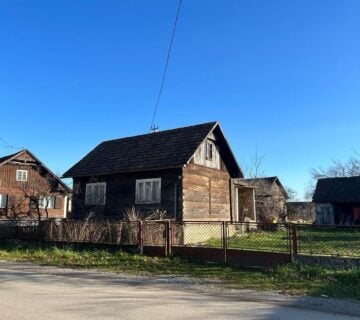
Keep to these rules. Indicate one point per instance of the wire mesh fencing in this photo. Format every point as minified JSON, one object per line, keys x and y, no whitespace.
{"x":310,"y":240}
{"x":154,"y":233}
{"x":258,"y":237}
{"x":198,"y":234}
{"x":340,"y":241}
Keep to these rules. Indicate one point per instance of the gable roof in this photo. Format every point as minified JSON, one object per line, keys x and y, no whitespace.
{"x":4,"y":160}
{"x":161,"y":150}
{"x":344,"y":189}
{"x":270,"y":181}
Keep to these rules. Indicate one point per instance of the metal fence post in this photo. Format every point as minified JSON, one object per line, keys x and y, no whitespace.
{"x":294,"y":242}
{"x":140,"y":237}
{"x":224,"y":239}
{"x":168,"y":237}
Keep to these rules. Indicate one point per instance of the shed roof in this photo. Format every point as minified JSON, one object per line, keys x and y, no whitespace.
{"x":154,"y":151}
{"x":343,"y":189}
{"x":269,"y":181}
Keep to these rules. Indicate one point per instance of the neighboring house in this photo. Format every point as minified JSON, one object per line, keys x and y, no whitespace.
{"x":270,"y":199}
{"x":28,"y":189}
{"x":190,"y":173}
{"x":300,"y":211}
{"x":337,"y":201}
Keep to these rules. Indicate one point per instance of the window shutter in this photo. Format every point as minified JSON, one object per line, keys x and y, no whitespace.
{"x":101,"y":194}
{"x":3,"y":200}
{"x":11,"y":201}
{"x":156,"y":191}
{"x":58,"y":202}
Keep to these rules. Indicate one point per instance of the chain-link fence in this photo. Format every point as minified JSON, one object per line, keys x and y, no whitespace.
{"x":198,"y":234}
{"x":311,"y":240}
{"x":258,"y":237}
{"x":340,"y":241}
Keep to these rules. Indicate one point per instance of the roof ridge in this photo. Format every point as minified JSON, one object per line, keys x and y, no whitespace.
{"x":213,"y":123}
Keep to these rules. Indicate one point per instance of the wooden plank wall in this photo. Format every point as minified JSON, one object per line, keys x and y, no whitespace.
{"x":16,"y":189}
{"x":206,"y":194}
{"x":120,"y":194}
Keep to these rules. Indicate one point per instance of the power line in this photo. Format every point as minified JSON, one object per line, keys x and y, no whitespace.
{"x":152,"y":126}
{"x":7,"y":145}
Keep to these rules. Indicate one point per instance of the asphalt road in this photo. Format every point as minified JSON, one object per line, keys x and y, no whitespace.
{"x":31,"y":292}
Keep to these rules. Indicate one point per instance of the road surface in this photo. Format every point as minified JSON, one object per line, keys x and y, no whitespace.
{"x":35,"y":293}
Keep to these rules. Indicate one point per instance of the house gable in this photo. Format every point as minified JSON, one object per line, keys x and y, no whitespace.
{"x":24,"y":181}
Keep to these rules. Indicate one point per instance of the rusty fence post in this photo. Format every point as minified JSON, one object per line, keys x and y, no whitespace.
{"x":294,"y":241}
{"x":141,"y":237}
{"x":168,"y":239}
{"x":224,"y":239}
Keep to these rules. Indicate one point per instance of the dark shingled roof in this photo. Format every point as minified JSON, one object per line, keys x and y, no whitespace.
{"x":160,"y":150}
{"x":5,"y":158}
{"x":337,"y":190}
{"x":269,"y":181}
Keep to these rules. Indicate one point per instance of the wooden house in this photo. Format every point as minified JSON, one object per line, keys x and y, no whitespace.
{"x":28,"y":189}
{"x":337,"y":201}
{"x":190,"y":173}
{"x":270,"y":198}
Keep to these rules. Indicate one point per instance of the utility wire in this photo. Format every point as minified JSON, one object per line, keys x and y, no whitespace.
{"x":166,"y":67}
{"x":7,"y":145}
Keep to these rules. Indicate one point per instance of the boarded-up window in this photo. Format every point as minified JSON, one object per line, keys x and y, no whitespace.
{"x":3,"y":200}
{"x":148,"y":191}
{"x":95,"y":194}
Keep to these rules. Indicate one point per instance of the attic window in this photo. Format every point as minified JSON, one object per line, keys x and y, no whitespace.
{"x":148,"y":191}
{"x":21,"y":175}
{"x":95,"y":194}
{"x":208,"y":151}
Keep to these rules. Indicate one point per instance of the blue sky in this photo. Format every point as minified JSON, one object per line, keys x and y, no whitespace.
{"x":282,"y":77}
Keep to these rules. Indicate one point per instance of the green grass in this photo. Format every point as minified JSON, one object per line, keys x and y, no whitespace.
{"x":293,"y":279}
{"x":327,"y":241}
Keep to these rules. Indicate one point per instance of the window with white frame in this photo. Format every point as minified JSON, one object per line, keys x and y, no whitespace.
{"x":148,"y":191}
{"x":95,"y":194}
{"x":47,"y":202}
{"x":3,"y":200}
{"x":21,"y":175}
{"x":208,"y":151}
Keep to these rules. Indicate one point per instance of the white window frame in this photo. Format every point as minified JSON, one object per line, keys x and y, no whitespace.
{"x":21,"y":175}
{"x":147,"y":196}
{"x":49,"y":202}
{"x":98,"y":199}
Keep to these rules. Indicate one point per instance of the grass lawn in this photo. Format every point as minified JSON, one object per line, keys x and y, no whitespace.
{"x":319,"y":241}
{"x":293,"y":279}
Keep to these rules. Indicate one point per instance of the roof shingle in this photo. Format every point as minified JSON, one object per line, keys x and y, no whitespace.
{"x":344,"y":189}
{"x":164,"y":149}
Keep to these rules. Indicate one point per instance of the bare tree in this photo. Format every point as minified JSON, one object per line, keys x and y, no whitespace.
{"x":348,"y":168}
{"x":254,"y":167}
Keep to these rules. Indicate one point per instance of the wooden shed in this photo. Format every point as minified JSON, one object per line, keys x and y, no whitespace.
{"x":337,"y":201}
